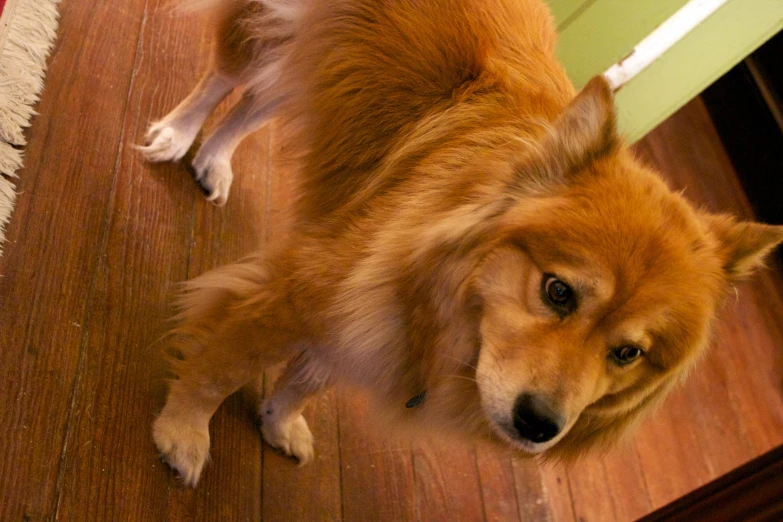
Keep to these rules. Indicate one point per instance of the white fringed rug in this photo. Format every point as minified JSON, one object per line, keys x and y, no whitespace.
{"x":27,"y":32}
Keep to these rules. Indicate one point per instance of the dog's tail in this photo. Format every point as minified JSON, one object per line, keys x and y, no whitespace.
{"x":232,"y":309}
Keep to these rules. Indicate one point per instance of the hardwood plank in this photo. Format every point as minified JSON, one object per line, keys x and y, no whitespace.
{"x":592,"y":500}
{"x":49,"y":264}
{"x":558,"y":491}
{"x":532,"y":495}
{"x":232,"y":485}
{"x":626,"y":482}
{"x":311,"y":492}
{"x":122,"y":386}
{"x":673,"y":458}
{"x":609,"y":486}
{"x":725,"y":434}
{"x":689,"y":151}
{"x":447,"y":483}
{"x":376,"y":470}
{"x":230,"y":488}
{"x":749,"y":349}
{"x":713,"y":442}
{"x":497,"y":482}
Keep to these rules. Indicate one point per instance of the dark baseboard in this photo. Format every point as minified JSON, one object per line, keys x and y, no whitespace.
{"x":750,"y":493}
{"x":745,"y":106}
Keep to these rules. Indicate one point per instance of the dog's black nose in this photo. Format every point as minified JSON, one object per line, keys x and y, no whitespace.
{"x":535,"y":420}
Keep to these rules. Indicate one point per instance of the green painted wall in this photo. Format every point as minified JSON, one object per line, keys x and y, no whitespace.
{"x":606,"y":31}
{"x":565,"y":10}
{"x":595,"y":34}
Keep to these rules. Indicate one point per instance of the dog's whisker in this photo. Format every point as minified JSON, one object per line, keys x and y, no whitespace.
{"x":461,"y":362}
{"x":451,"y":376}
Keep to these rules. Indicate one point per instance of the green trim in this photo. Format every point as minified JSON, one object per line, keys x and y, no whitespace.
{"x":606,"y":31}
{"x":718,"y":44}
{"x":596,"y":34}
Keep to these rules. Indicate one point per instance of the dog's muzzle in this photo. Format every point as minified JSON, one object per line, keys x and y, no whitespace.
{"x":535,"y":420}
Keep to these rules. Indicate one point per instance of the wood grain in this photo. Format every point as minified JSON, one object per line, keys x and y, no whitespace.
{"x":626,"y":483}
{"x":558,"y":491}
{"x":498,"y":485}
{"x":113,"y":401}
{"x":533,"y":498}
{"x":376,"y":471}
{"x":609,"y":486}
{"x":447,"y":485}
{"x":285,"y":483}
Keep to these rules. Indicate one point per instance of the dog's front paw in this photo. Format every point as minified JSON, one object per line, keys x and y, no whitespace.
{"x":290,"y":435}
{"x":165,"y":141}
{"x":183,"y":447}
{"x":214,"y":177}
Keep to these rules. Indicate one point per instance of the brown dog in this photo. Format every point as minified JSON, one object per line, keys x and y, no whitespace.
{"x":475,"y":246}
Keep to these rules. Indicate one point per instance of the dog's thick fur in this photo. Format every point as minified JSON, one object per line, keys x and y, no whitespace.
{"x":450,"y":175}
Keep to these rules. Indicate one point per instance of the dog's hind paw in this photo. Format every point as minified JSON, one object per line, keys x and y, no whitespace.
{"x":291,"y":436}
{"x":184,"y":448}
{"x":214,"y":177}
{"x":166,"y":142}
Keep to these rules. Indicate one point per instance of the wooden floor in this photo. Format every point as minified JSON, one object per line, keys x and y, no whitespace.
{"x":99,"y":239}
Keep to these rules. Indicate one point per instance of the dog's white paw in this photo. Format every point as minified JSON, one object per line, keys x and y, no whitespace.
{"x":214,"y":176}
{"x":290,"y":435}
{"x":184,"y":447}
{"x":165,"y":141}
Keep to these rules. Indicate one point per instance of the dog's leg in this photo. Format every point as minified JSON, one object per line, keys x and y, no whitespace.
{"x":170,"y":138}
{"x":181,"y":431}
{"x":212,"y":163}
{"x":282,"y":423}
{"x":249,"y":43}
{"x":235,"y":321}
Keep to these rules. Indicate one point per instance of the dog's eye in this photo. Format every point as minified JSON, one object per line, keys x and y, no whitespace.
{"x":558,"y":294}
{"x":626,"y":355}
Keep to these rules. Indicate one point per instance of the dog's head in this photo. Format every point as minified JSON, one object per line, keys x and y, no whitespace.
{"x":600,"y":295}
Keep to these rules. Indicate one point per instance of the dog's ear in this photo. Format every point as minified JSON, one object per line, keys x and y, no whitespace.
{"x":742,"y":246}
{"x":586,"y":129}
{"x":584,"y":132}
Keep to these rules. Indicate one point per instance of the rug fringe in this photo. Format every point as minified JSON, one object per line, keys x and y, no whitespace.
{"x":28,"y":44}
